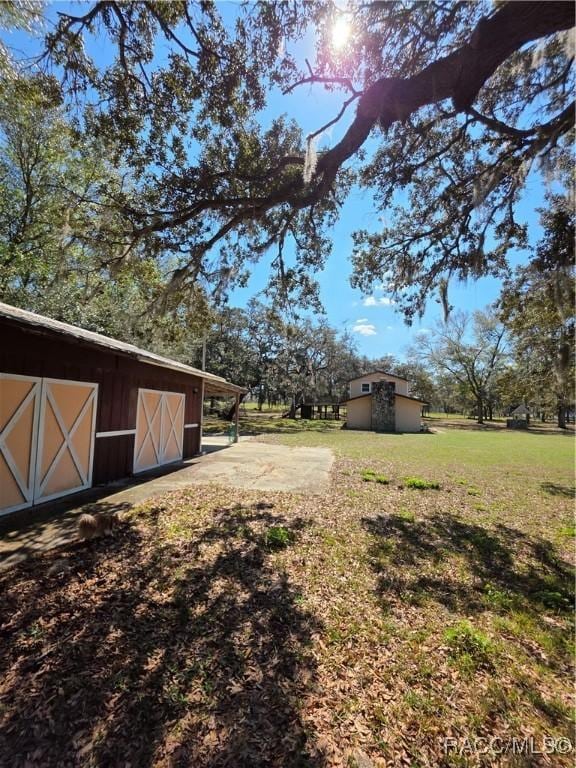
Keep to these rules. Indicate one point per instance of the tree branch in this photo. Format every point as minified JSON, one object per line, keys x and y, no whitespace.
{"x":458,"y":76}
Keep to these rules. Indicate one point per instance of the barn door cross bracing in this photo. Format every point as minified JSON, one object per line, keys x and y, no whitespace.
{"x":19,"y":408}
{"x":159,"y":429}
{"x":46,"y":439}
{"x":66,"y":439}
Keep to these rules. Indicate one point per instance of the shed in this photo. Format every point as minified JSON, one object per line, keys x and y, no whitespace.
{"x":520,"y":418}
{"x":380,"y":401}
{"x":79,"y":409}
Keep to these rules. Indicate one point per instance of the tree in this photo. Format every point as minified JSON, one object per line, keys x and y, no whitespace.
{"x":537,"y":306}
{"x":455,"y":103}
{"x":473,"y":363}
{"x":420,"y":379}
{"x":24,"y":15}
{"x":280,"y":358}
{"x":53,"y":256}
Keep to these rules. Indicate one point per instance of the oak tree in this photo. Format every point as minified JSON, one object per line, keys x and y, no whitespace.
{"x":447,"y":107}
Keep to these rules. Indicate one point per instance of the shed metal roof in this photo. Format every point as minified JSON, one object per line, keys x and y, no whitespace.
{"x":214,"y":384}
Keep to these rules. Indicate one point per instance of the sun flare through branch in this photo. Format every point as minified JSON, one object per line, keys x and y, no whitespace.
{"x":341,"y":33}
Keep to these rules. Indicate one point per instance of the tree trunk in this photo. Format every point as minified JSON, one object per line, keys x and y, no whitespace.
{"x":231,"y":413}
{"x":480,"y":411}
{"x":561,"y":417}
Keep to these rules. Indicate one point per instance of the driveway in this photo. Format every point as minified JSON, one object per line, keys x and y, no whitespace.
{"x":248,"y":464}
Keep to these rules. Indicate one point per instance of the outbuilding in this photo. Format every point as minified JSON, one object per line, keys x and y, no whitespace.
{"x":380,"y":401}
{"x":79,"y":409}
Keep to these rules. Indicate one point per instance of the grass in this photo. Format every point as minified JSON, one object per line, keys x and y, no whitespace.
{"x":263,"y":628}
{"x":421,"y":485}
{"x":471,"y":648}
{"x":278,"y":537}
{"x":369,"y":476}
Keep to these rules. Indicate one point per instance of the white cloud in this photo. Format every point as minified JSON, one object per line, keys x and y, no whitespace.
{"x":362,"y":320}
{"x":382,"y":301}
{"x":424,"y":330}
{"x":365,"y":329}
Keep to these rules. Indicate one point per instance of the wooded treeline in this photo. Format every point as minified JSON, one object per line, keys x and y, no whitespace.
{"x":518,"y":351}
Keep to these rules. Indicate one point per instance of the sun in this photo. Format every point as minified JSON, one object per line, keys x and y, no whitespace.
{"x":340,"y":33}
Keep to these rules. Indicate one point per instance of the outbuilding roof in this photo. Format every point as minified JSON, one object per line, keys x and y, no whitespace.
{"x":41,"y":324}
{"x":396,"y":394}
{"x":384,"y":373}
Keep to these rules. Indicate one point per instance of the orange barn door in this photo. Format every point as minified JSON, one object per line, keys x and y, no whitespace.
{"x":148,"y":430}
{"x":19,"y":407}
{"x":65,"y":438}
{"x":172,"y":427}
{"x":159,"y":429}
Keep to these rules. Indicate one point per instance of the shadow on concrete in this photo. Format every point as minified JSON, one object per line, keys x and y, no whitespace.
{"x":76,"y":503}
{"x":54,"y":524}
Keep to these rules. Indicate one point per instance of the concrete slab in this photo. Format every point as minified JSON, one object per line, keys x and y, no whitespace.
{"x":247,"y":464}
{"x":266,"y":467}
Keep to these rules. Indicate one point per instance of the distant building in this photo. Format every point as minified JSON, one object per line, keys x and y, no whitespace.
{"x":380,"y":402}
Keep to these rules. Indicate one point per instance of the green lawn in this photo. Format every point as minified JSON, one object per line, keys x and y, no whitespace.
{"x":428,"y":595}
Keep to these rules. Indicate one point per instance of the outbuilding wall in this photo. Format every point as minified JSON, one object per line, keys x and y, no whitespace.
{"x":408,"y":415}
{"x":356,"y":385}
{"x":24,"y":351}
{"x":359,"y":413}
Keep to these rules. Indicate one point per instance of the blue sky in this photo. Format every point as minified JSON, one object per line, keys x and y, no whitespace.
{"x":373,"y":320}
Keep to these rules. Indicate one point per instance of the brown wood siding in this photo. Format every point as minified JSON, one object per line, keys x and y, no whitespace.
{"x":44,"y":354}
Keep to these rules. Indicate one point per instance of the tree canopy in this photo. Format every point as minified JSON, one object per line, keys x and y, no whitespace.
{"x":447,"y":107}
{"x":54,"y":257}
{"x":537,"y":305}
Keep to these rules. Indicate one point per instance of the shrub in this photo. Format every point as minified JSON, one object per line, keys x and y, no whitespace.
{"x":499,"y":599}
{"x":469,"y":646}
{"x":420,"y":484}
{"x":278,"y":537}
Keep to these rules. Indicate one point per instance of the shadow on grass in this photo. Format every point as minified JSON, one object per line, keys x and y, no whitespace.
{"x":193,"y":653}
{"x":559,"y":490}
{"x":470,"y":569}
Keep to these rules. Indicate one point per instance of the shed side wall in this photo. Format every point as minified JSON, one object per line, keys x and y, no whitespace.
{"x":408,"y":415}
{"x":359,"y":413}
{"x":45,"y":355}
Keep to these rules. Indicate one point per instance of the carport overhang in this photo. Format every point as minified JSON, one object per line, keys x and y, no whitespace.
{"x":213,"y":388}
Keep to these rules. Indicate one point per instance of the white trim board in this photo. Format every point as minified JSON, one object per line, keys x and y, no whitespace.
{"x":116,"y":433}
